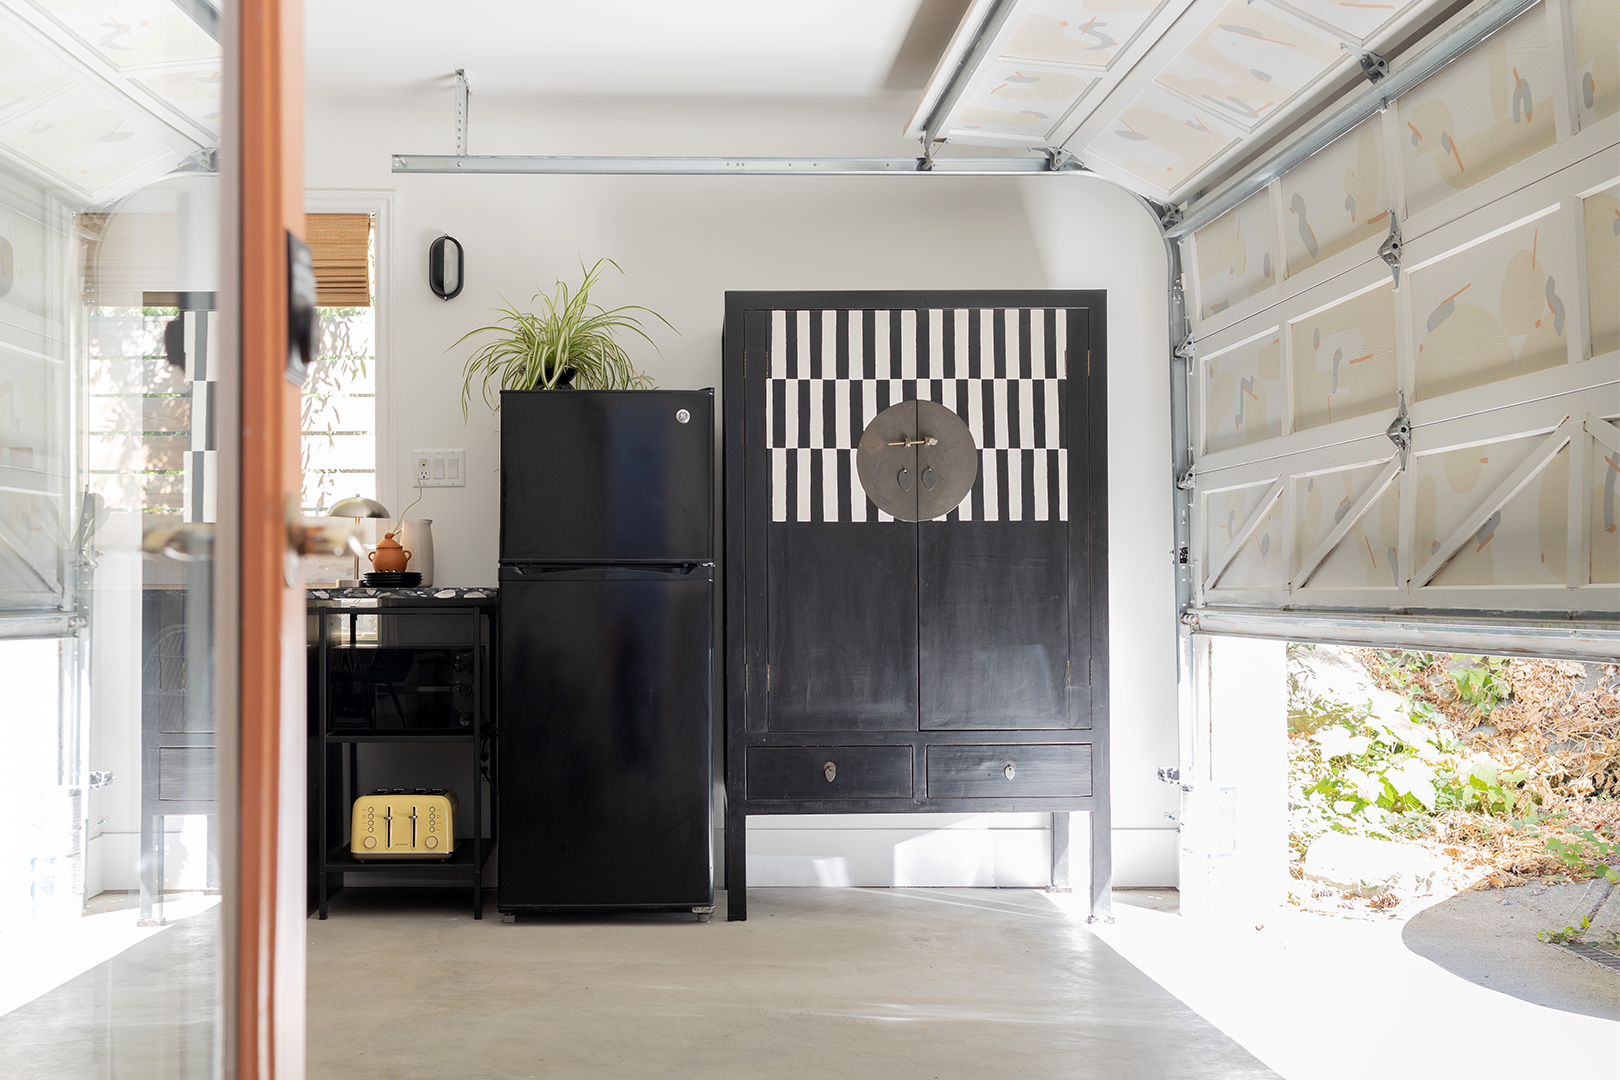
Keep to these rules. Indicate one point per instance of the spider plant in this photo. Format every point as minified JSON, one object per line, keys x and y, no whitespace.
{"x":567,"y":340}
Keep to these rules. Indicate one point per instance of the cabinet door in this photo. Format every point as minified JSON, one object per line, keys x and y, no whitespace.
{"x":1002,"y":595}
{"x":842,"y":639}
{"x":993,"y":628}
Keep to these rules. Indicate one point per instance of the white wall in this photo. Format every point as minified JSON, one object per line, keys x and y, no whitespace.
{"x":684,"y":241}
{"x":1092,"y":235}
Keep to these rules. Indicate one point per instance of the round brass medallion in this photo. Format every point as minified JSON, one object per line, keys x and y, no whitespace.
{"x":917,"y":460}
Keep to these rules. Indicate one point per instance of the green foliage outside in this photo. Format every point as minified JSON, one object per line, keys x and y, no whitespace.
{"x":1352,"y":771}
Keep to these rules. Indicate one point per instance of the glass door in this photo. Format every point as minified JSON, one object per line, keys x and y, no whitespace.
{"x":111,"y":368}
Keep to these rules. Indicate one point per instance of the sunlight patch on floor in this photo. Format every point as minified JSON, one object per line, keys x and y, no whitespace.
{"x":1319,"y":998}
{"x":39,"y":957}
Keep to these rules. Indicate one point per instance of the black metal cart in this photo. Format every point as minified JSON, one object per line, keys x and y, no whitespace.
{"x":379,"y":625}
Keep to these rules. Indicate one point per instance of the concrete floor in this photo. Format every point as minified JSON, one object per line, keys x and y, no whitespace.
{"x":887,"y":983}
{"x":1489,"y":938}
{"x":147,"y":1013}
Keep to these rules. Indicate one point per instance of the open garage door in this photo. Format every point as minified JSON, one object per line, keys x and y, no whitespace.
{"x":1404,"y":371}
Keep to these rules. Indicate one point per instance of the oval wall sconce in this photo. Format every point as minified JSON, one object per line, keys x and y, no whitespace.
{"x":445,"y":276}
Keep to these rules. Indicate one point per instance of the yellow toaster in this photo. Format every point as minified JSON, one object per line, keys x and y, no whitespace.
{"x":404,"y":823}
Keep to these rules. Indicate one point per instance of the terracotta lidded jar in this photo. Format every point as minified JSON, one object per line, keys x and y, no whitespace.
{"x":390,"y":557}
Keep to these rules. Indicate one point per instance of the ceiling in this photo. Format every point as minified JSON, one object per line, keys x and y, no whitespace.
{"x":609,"y":48}
{"x":1159,"y":94}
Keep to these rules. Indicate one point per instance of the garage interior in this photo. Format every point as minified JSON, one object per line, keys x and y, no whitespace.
{"x":1345,"y":270}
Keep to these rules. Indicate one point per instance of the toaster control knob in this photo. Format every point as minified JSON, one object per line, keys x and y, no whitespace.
{"x":371,"y":841}
{"x":432,"y":842}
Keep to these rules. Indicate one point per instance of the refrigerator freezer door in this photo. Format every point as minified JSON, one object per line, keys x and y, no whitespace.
{"x":607,"y":476}
{"x":606,"y":739}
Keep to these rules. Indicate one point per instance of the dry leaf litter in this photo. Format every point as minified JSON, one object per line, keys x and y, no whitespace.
{"x":1558,"y":722}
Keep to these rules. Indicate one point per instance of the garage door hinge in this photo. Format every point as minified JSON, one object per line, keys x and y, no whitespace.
{"x":1375,"y":67}
{"x":1390,"y":250}
{"x":1187,"y":480}
{"x":1399,"y":432}
{"x":1184,"y":351}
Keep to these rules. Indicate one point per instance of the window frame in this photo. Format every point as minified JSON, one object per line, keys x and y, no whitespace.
{"x":382,"y":205}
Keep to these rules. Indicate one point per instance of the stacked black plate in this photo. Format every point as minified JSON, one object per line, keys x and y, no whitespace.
{"x":394,"y":579}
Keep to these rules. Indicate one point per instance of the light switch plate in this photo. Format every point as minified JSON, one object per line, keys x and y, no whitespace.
{"x":438,"y":468}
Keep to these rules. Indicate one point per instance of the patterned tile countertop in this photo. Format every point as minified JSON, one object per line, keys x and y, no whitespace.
{"x":432,"y":592}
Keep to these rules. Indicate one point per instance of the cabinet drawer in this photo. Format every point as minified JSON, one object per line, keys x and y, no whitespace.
{"x":981,"y":772}
{"x":186,"y":773}
{"x":801,"y":772}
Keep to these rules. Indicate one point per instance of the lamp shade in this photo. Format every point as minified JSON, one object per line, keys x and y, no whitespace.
{"x":446,"y":268}
{"x":358,"y":508}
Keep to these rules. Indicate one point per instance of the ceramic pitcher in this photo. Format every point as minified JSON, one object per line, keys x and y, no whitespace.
{"x":418,"y":536}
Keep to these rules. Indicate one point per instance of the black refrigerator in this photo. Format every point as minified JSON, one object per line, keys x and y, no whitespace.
{"x":606,"y":649}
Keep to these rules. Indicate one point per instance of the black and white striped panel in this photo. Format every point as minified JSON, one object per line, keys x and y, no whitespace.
{"x":1002,"y":370}
{"x":200,"y":329}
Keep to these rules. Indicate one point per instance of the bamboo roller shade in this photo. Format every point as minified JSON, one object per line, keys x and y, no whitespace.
{"x":340,"y":245}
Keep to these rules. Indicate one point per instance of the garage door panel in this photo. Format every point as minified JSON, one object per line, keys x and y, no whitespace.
{"x":1261,"y":560}
{"x":1603,"y":493}
{"x":1336,"y":199}
{"x":1494,"y":310}
{"x":1490,"y":109}
{"x":1451,"y":486}
{"x":1523,"y":543}
{"x":1600,"y":215}
{"x":1243,"y":393}
{"x":1369,"y":555}
{"x":1595,"y":34}
{"x":1236,"y":256}
{"x":1343,"y":360}
{"x":1499,"y":333}
{"x":1323,"y":501}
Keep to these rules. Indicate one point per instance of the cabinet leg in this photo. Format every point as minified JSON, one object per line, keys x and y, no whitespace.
{"x":151,"y":869}
{"x":1102,"y":866}
{"x":736,"y":865}
{"x":1061,"y":834}
{"x":322,"y":894}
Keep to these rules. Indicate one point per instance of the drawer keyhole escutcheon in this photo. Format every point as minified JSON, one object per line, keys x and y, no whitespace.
{"x":830,"y":771}
{"x":1009,"y":770}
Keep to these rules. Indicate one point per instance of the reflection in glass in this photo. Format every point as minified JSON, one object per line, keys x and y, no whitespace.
{"x":110,"y":362}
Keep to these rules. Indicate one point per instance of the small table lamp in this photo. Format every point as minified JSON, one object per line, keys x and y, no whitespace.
{"x":357,"y":507}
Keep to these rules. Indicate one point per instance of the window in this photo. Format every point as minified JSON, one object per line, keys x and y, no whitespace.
{"x":339,"y":451}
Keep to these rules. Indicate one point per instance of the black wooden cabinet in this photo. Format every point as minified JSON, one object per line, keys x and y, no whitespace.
{"x":877,"y":663}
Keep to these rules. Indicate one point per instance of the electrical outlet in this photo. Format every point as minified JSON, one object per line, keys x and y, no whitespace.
{"x":439,"y":468}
